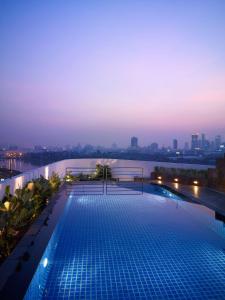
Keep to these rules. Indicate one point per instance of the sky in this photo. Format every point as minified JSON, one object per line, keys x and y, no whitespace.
{"x":99,"y":72}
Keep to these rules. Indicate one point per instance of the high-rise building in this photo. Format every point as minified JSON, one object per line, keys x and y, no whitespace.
{"x":203,"y":141}
{"x":217,"y":142}
{"x":175,"y":144}
{"x":194,"y":141}
{"x":134,"y":142}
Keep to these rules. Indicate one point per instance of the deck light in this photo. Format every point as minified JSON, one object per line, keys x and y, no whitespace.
{"x":68,"y":178}
{"x":195,"y":182}
{"x":176,"y":179}
{"x":159,"y":177}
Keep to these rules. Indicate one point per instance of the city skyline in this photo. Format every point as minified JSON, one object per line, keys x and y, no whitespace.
{"x":101,"y":72}
{"x":195,"y":141}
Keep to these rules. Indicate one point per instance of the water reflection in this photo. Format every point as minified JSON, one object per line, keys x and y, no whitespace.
{"x":196,"y":190}
{"x":176,"y":185}
{"x":16,"y":164}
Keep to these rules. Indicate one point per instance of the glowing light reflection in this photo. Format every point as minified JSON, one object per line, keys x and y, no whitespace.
{"x":196,"y":191}
{"x":46,"y":172}
{"x":45,"y":262}
{"x":19,"y":181}
{"x":176,"y":185}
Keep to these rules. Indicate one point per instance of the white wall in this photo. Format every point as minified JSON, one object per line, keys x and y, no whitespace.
{"x":60,"y":168}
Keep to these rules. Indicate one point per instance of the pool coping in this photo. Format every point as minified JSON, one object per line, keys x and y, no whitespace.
{"x":17,"y":271}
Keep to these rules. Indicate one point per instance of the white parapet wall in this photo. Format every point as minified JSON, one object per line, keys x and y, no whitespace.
{"x":60,"y":168}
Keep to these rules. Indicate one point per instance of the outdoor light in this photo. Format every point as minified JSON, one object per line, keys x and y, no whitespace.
{"x":68,"y":179}
{"x":195,"y":182}
{"x":159,"y":177}
{"x":176,"y":179}
{"x":7,"y":205}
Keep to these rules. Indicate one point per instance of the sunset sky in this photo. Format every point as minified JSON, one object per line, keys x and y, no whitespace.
{"x":100,"y":72}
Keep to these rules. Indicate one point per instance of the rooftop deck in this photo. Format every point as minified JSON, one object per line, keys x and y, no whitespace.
{"x":202,"y":195}
{"x":115,"y":245}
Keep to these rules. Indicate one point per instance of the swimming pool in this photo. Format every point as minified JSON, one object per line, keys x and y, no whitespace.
{"x":132,"y":247}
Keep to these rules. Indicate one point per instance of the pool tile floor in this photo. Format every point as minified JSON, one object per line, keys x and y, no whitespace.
{"x":133,"y":247}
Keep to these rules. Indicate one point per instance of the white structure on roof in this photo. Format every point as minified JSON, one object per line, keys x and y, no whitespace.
{"x":60,"y":168}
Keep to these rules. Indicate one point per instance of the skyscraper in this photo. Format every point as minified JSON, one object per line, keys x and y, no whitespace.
{"x":217,"y":142}
{"x":203,"y":141}
{"x":175,"y":144}
{"x":134,"y":142}
{"x":194,"y":141}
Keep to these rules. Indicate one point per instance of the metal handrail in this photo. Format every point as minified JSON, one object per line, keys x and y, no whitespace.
{"x":125,"y":181}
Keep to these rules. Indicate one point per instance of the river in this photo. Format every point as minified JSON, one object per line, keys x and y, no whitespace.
{"x":16,"y":164}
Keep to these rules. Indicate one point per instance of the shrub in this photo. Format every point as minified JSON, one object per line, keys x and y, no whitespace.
{"x":19,"y":210}
{"x":69,"y":177}
{"x":55,"y":182}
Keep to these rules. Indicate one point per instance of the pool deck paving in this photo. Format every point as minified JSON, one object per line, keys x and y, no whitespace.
{"x":203,"y":195}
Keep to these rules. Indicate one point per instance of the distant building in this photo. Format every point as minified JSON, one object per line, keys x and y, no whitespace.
{"x":212,"y":146}
{"x":186,"y":146}
{"x":154,"y":147}
{"x":175,"y":144}
{"x":88,"y":149}
{"x":217,"y":142}
{"x":13,"y":147}
{"x":39,"y":148}
{"x":203,"y":142}
{"x":194,"y":142}
{"x":134,"y":142}
{"x":207,"y":145}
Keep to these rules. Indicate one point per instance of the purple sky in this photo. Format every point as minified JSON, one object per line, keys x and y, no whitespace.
{"x":101,"y":71}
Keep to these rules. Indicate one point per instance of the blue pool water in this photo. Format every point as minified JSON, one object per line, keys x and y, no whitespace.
{"x":133,"y":247}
